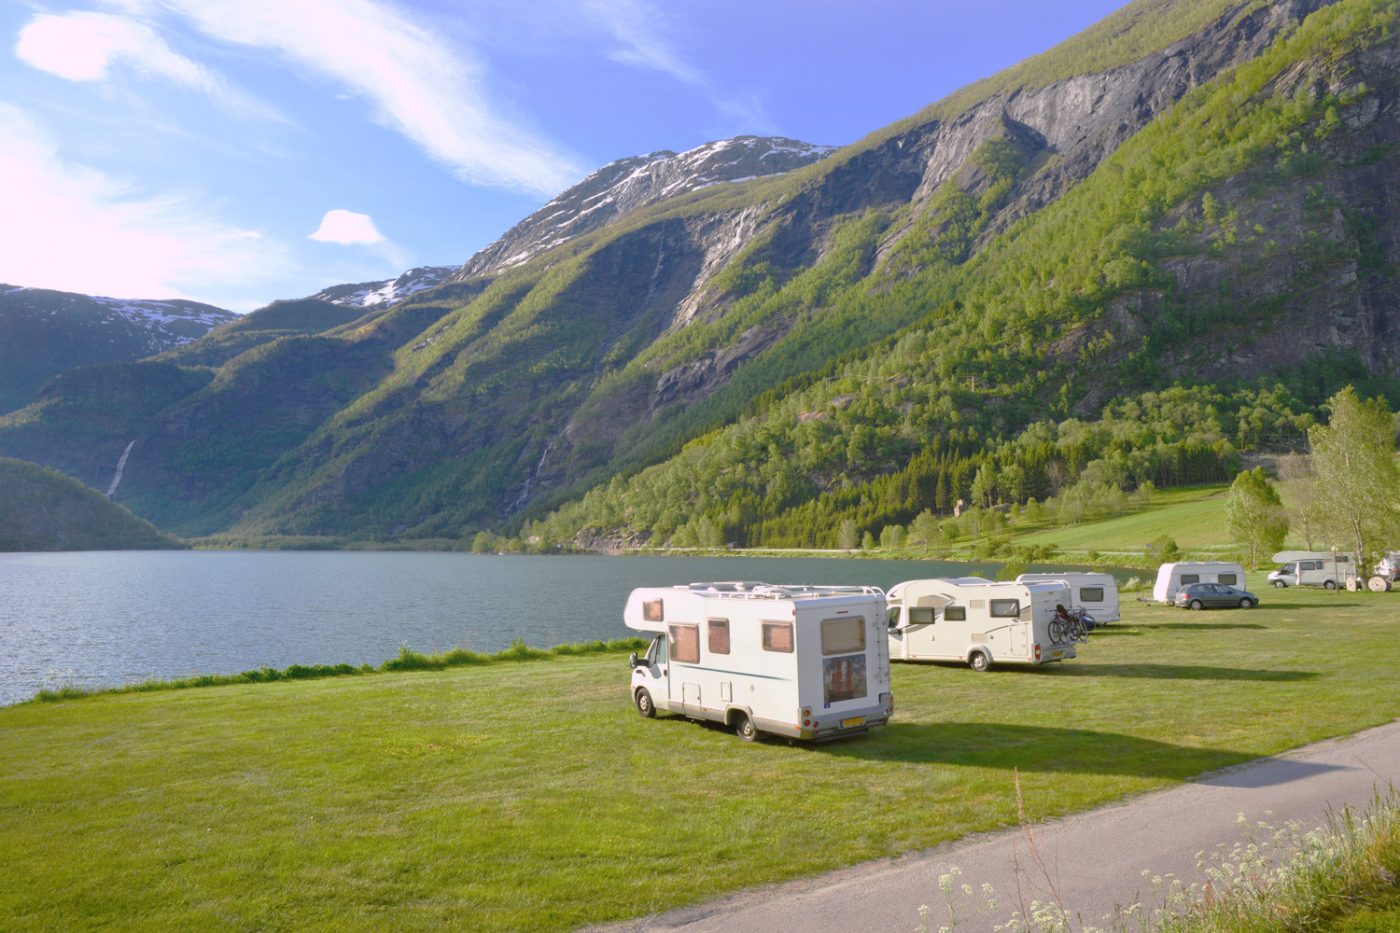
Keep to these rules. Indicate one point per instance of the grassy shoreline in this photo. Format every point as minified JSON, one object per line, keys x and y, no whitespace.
{"x":527,"y":794}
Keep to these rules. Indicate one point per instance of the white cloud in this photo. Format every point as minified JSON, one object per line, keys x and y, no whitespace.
{"x":641,"y":30}
{"x":68,"y":227}
{"x":347,"y":228}
{"x":86,"y":46}
{"x":435,"y":95}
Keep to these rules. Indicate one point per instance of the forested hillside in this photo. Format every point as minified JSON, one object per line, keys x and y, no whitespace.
{"x":43,"y":510}
{"x":1134,"y":258}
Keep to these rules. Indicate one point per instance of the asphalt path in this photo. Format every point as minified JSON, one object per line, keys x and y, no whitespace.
{"x":1091,"y":863}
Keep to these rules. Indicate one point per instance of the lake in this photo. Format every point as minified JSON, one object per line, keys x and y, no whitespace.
{"x":113,"y":617}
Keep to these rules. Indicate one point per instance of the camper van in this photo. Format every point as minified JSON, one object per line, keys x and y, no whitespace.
{"x":977,"y":622}
{"x":1095,"y":593}
{"x":1172,"y":577}
{"x":1327,"y":569}
{"x":806,"y":662}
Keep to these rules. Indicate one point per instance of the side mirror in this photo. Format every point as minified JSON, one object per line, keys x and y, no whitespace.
{"x":632,"y":659}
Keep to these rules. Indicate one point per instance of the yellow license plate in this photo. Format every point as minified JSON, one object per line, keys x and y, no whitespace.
{"x":853,"y":721}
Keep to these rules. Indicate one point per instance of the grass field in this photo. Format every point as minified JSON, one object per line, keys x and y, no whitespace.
{"x":529,"y":794}
{"x":1193,"y":516}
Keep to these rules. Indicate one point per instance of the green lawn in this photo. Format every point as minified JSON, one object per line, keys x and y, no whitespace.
{"x":530,"y":795}
{"x":1193,"y":516}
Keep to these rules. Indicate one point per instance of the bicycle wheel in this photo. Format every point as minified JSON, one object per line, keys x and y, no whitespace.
{"x":1057,"y":631}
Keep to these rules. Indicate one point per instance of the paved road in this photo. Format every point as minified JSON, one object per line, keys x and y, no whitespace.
{"x":1093,"y":861}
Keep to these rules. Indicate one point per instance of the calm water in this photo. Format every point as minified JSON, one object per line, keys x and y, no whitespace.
{"x":106,"y":618}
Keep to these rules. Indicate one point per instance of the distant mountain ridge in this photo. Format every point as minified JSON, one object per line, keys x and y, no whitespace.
{"x":627,"y":185}
{"x":386,"y":291}
{"x":45,"y":332}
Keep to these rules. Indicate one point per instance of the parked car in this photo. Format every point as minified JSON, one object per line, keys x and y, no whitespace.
{"x":1215,"y":596}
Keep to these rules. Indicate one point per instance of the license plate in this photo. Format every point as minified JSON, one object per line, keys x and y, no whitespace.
{"x":853,"y":721}
{"x":1057,"y":654}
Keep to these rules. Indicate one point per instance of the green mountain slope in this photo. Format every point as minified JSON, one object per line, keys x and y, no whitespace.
{"x":43,"y":510}
{"x":1108,"y":255}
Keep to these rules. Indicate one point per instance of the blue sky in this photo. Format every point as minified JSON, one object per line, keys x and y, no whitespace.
{"x":237,"y":151}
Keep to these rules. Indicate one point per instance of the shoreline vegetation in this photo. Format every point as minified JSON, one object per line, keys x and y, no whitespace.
{"x":406,"y":660}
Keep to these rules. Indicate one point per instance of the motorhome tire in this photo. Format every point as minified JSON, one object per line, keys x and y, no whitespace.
{"x":645,"y":706}
{"x":1196,"y":604}
{"x":979,"y":661}
{"x":744,"y":727}
{"x":1246,"y":603}
{"x":1330,"y":585}
{"x":1279,"y":584}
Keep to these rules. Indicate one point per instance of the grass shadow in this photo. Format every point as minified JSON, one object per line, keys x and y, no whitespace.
{"x":1179,"y":672}
{"x":1052,"y":749}
{"x":1115,"y":632}
{"x":1274,"y":605}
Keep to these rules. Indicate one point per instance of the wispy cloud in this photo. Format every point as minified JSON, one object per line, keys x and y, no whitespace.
{"x":88,"y":46}
{"x":641,"y":34}
{"x":434,"y":94}
{"x":69,"y":227}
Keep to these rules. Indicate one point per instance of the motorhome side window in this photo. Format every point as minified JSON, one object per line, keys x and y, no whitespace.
{"x":1229,"y":579}
{"x":718,"y":630}
{"x":921,"y":615}
{"x":955,"y":613}
{"x":777,"y":636}
{"x":685,"y":643}
{"x":1188,"y":578}
{"x":843,"y":636}
{"x":1005,"y":608}
{"x":652,"y":610}
{"x":1091,"y":594}
{"x":894,"y":617}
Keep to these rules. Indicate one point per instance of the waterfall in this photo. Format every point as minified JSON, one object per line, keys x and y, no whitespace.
{"x":121,"y":465}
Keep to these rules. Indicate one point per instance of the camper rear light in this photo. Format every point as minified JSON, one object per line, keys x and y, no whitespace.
{"x":806,"y":717}
{"x":1037,"y":652}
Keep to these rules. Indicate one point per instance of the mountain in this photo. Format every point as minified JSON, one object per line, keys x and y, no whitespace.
{"x":43,"y":333}
{"x":1131,"y":258}
{"x":627,"y":185}
{"x":43,"y":510}
{"x":385,"y":291}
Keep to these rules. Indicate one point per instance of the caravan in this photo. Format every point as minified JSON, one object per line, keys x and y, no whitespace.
{"x":978,"y":622}
{"x":806,"y":662}
{"x":1327,"y":569}
{"x":1095,"y":593}
{"x":1172,"y":577}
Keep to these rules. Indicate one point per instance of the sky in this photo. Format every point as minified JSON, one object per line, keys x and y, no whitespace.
{"x":239,"y":151}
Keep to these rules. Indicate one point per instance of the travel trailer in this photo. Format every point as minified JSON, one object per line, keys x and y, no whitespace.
{"x":806,"y":662}
{"x":1172,"y":577}
{"x":1095,"y":593}
{"x":1327,"y":569}
{"x":977,"y":622}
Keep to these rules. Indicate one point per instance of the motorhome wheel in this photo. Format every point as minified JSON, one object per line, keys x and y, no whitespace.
{"x":644,"y":704}
{"x":1279,"y":584}
{"x":1330,"y":585}
{"x":744,"y":727}
{"x":979,"y":661}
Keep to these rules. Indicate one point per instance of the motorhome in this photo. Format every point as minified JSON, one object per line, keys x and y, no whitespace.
{"x":806,"y":662}
{"x":1172,"y":577}
{"x":1095,"y":593}
{"x":1328,"y":569}
{"x":977,"y":622}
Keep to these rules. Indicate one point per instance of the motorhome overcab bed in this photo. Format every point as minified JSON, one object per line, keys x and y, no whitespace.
{"x":976,"y":621}
{"x":806,"y":662}
{"x":1095,"y":593}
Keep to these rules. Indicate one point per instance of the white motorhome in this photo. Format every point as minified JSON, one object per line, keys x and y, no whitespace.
{"x":1172,"y":577}
{"x":977,"y":622}
{"x":806,"y":662}
{"x":1095,"y":593}
{"x":1327,"y":569}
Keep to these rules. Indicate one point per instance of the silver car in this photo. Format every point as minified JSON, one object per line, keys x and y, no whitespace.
{"x":1215,"y":596}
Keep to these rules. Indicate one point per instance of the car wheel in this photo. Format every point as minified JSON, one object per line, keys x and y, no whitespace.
{"x":1195,"y":604}
{"x":644,"y":704}
{"x":1330,"y":585}
{"x":1279,"y":584}
{"x":1246,"y":603}
{"x":979,"y":661}
{"x":744,"y":727}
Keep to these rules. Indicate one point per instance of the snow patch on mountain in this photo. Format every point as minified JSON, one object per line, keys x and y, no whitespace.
{"x":386,"y":291}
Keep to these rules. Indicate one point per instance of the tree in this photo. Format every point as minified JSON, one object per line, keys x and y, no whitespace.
{"x":1254,"y":514}
{"x":924,"y":529}
{"x":1162,"y":550}
{"x":1295,"y":472}
{"x":892,"y":536}
{"x":1355,"y":480}
{"x":846,"y":535}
